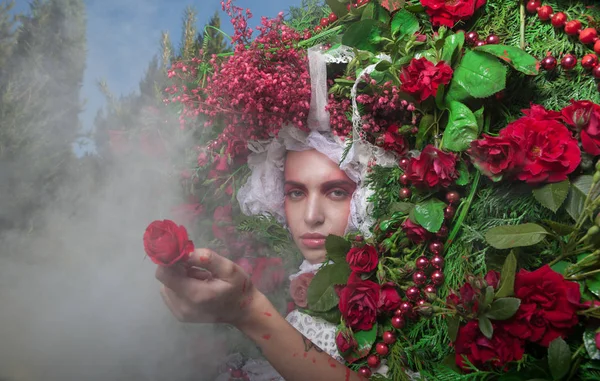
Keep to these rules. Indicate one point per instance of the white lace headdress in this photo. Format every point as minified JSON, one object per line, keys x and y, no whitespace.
{"x":263,"y":193}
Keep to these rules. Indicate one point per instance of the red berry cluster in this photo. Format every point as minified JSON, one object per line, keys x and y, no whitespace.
{"x":472,"y":38}
{"x":382,"y":349}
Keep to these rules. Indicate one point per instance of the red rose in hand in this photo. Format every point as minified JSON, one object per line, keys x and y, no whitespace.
{"x":551,"y":153}
{"x":268,"y":274}
{"x":486,"y":353}
{"x":415,"y":232}
{"x":222,"y":222}
{"x":393,"y":141}
{"x":449,"y":12}
{"x":389,"y":300}
{"x":166,"y":243}
{"x":299,"y":289}
{"x":363,"y":259}
{"x":358,"y":303}
{"x":549,"y":306}
{"x":432,"y":168}
{"x":584,"y":116}
{"x":345,"y":342}
{"x":496,"y":157}
{"x":421,"y":78}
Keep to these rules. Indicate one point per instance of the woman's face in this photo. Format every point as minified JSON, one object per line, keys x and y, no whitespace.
{"x":317,"y":201}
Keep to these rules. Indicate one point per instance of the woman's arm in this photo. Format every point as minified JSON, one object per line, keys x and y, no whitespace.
{"x":212,"y":289}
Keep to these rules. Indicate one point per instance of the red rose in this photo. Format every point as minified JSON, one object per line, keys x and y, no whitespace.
{"x":584,"y":116}
{"x":221,"y":163}
{"x":166,"y":243}
{"x":415,"y":232}
{"x":539,"y":112}
{"x":492,"y":278}
{"x":496,"y":157}
{"x":389,"y":300}
{"x":363,"y":259}
{"x":268,"y":274}
{"x":551,"y":153}
{"x":345,"y":342}
{"x":393,"y":141}
{"x":421,"y":78}
{"x":358,"y":303}
{"x":467,"y":301}
{"x":202,"y":159}
{"x":187,"y":213}
{"x":448,"y":12}
{"x":549,"y":306}
{"x":486,"y":353}
{"x":432,"y":168}
{"x":222,"y":222}
{"x":299,"y":288}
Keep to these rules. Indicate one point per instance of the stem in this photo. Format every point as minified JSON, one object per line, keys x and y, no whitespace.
{"x":465,"y":210}
{"x":585,"y":275}
{"x":522,"y":31}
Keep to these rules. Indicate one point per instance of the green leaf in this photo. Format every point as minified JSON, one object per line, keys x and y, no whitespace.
{"x":479,"y":117}
{"x":463,"y":174}
{"x":333,"y":316}
{"x":558,"y":228}
{"x":506,"y":287}
{"x":486,"y":327}
{"x":559,"y":358}
{"x":589,"y":341}
{"x":402,"y":207}
{"x":337,"y":248}
{"x":510,"y":236}
{"x":462,"y":128}
{"x":453,"y":44}
{"x":364,"y":35}
{"x":430,"y":214}
{"x":552,"y":196}
{"x":365,"y":340}
{"x":515,"y":57}
{"x":404,"y":23}
{"x":425,"y":129}
{"x":383,"y":65}
{"x":479,"y":75}
{"x":321,"y":292}
{"x":593,"y":284}
{"x":560,"y":267}
{"x":577,"y":196}
{"x":489,"y":296}
{"x":337,"y":7}
{"x":503,"y":308}
{"x":375,"y":11}
{"x":453,"y":326}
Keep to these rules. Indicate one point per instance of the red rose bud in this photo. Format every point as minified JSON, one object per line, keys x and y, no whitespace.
{"x":166,"y":243}
{"x":584,"y":116}
{"x":345,"y":342}
{"x":389,"y":299}
{"x":492,"y":278}
{"x":363,"y":259}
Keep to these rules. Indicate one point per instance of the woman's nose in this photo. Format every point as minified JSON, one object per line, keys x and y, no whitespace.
{"x":314,"y":214}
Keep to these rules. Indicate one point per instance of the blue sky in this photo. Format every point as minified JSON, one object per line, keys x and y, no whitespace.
{"x":123,"y":35}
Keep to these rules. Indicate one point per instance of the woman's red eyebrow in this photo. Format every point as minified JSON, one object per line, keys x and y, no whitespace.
{"x":294,"y":184}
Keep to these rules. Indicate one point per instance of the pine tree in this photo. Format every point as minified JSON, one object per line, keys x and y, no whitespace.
{"x":7,"y":34}
{"x":211,"y":39}
{"x":40,"y":106}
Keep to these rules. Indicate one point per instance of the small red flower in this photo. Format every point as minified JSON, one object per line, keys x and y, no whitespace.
{"x":432,"y":168}
{"x":449,"y":12}
{"x":363,"y":259}
{"x":166,"y":243}
{"x":421,"y":78}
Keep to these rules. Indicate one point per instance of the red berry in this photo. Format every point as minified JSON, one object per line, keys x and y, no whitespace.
{"x":558,"y":19}
{"x":413,"y":293}
{"x":572,"y":27}
{"x":437,"y":262}
{"x":382,"y":349}
{"x":453,"y":197}
{"x":597,"y":47}
{"x":589,"y":61}
{"x":404,"y":179}
{"x":419,"y":278}
{"x":549,"y":63}
{"x":389,"y":337}
{"x":429,"y":289}
{"x":324,"y":22}
{"x":365,"y":372}
{"x":373,"y":361}
{"x":404,"y":162}
{"x":398,"y":322}
{"x":596,"y":72}
{"x":588,"y":35}
{"x":405,"y":193}
{"x":332,"y":17}
{"x":533,"y":6}
{"x":437,"y":278}
{"x":443,"y":233}
{"x":449,"y":212}
{"x":471,"y":38}
{"x":318,"y":29}
{"x":422,"y":263}
{"x":492,"y":39}
{"x":359,"y":238}
{"x":544,"y":12}
{"x":568,"y":62}
{"x":436,"y":247}
{"x":479,"y":43}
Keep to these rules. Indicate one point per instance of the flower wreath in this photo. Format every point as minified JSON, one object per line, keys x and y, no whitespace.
{"x":477,"y":254}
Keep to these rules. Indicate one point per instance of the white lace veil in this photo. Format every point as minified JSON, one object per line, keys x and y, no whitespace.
{"x":263,"y":193}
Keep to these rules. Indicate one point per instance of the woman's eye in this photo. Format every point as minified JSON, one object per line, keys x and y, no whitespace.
{"x":339,"y":194}
{"x":295,"y":194}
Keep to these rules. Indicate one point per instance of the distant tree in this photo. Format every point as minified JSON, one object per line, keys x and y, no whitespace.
{"x":39,"y":106}
{"x":7,"y":32}
{"x":211,"y":39}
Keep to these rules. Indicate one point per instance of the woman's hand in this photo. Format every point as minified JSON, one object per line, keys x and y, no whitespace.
{"x":208,"y":289}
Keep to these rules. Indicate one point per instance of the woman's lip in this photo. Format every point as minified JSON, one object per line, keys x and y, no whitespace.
{"x":313,"y":243}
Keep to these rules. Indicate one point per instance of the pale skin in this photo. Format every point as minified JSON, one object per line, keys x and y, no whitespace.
{"x":213,"y":289}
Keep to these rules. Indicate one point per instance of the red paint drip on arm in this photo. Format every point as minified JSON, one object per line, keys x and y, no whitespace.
{"x":268,"y":314}
{"x":347,"y":374}
{"x":267,"y":337}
